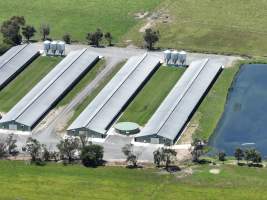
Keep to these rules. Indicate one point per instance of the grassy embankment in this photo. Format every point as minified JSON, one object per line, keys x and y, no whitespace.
{"x":55,"y":181}
{"x":152,"y":95}
{"x":25,"y":81}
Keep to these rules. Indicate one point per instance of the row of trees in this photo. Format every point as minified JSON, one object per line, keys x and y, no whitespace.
{"x":163,"y":157}
{"x":14,"y":28}
{"x":250,"y":155}
{"x":68,"y":150}
{"x":151,"y":37}
{"x":95,"y":38}
{"x":74,"y":149}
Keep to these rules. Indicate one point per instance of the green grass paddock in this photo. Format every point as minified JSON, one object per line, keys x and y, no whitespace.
{"x":55,"y":181}
{"x":77,"y":17}
{"x":230,"y":27}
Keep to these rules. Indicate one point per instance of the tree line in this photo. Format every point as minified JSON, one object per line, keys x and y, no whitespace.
{"x":15,"y":29}
{"x":78,"y":149}
{"x":69,"y":150}
{"x":250,"y":155}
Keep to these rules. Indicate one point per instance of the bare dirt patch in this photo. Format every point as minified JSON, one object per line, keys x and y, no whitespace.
{"x":184,"y":173}
{"x":48,"y":119}
{"x":160,"y":16}
{"x":215,"y":171}
{"x":187,"y":135}
{"x":63,"y":123}
{"x":183,"y":155}
{"x":141,"y":15}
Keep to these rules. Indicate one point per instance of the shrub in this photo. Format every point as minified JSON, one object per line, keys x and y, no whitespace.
{"x":67,"y":38}
{"x":92,"y":155}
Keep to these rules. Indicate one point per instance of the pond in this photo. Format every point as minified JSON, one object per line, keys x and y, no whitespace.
{"x":244,"y":122}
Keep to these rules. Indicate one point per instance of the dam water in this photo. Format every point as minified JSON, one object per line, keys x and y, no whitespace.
{"x":244,"y":121}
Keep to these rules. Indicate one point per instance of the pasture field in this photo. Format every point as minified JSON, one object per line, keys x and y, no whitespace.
{"x":229,"y":27}
{"x":151,"y":96}
{"x":25,"y":81}
{"x":78,"y":17}
{"x":22,"y":181}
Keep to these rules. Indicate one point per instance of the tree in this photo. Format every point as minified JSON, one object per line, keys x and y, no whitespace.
{"x":95,"y":37}
{"x":10,"y":30}
{"x":11,"y":145}
{"x":239,"y":155}
{"x":158,"y":157}
{"x":84,"y":140}
{"x":45,"y":153}
{"x":169,"y":155}
{"x":18,"y":20}
{"x":3,"y":152}
{"x":256,"y":157}
{"x":131,"y":156}
{"x":34,"y":148}
{"x":92,"y":155}
{"x":8,"y":147}
{"x":68,"y":147}
{"x":221,"y":156}
{"x":66,"y":38}
{"x":28,"y":32}
{"x":253,"y":156}
{"x":150,"y":38}
{"x":197,"y":149}
{"x":45,"y":31}
{"x":109,"y":38}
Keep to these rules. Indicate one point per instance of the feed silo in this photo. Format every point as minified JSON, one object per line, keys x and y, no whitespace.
{"x":182,"y":57}
{"x":61,"y":47}
{"x":53,"y":47}
{"x":47,"y":46}
{"x":174,"y":57}
{"x":167,"y":56}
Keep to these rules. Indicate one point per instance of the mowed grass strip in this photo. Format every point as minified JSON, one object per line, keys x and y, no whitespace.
{"x":80,"y":108}
{"x":83,"y":83}
{"x":55,"y":181}
{"x":78,"y":17}
{"x":152,"y":95}
{"x":25,"y":81}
